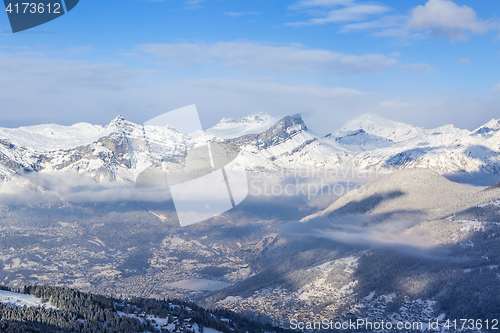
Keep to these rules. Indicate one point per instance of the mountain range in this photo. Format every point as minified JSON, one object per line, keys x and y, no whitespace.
{"x":368,"y":143}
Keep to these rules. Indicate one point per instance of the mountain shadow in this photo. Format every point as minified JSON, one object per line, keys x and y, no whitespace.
{"x":364,"y":206}
{"x":461,"y":277}
{"x":407,"y":156}
{"x":496,"y":186}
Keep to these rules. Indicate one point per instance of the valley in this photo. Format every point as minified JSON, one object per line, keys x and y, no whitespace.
{"x":386,"y":247}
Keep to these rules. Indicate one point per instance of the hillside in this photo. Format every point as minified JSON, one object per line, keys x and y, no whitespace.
{"x":74,"y":311}
{"x":496,"y":186}
{"x":409,"y":245}
{"x":413,"y":190}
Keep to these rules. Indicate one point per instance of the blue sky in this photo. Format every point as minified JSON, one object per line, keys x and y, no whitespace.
{"x":428,"y":63}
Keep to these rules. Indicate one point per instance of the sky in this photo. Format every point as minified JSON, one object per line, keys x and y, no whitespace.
{"x":427,"y":63}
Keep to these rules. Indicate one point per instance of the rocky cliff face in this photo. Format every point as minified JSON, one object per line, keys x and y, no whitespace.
{"x":284,"y":129}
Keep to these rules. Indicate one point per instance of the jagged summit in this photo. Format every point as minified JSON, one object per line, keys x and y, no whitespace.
{"x":119,"y":119}
{"x":120,"y":123}
{"x":495,"y":186}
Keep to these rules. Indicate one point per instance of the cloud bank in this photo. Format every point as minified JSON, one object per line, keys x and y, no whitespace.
{"x":258,"y":57}
{"x":436,"y":18}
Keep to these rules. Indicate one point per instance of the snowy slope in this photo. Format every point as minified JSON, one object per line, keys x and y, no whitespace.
{"x":378,"y":126}
{"x":417,"y":190}
{"x":20,"y":300}
{"x":489,"y":129}
{"x":446,"y":149}
{"x":52,"y":137}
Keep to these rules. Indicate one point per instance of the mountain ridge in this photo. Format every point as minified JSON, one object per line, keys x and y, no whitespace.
{"x":368,"y":143}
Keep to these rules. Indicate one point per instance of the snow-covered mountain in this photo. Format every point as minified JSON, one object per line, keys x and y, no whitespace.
{"x":375,"y":125}
{"x":446,"y":149}
{"x":368,"y":143}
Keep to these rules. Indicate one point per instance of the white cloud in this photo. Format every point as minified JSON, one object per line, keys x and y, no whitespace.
{"x":275,"y":89}
{"x":79,"y":49}
{"x":193,"y":4}
{"x":394,"y":104}
{"x":234,"y":13}
{"x":435,"y":18}
{"x":73,"y":188}
{"x":255,"y":57}
{"x":358,"y":12}
{"x":496,"y":89}
{"x":63,"y":74}
{"x":389,"y":21}
{"x":320,"y":3}
{"x":374,"y":232}
{"x":322,"y":108}
{"x":444,"y":17}
{"x":352,"y":64}
{"x":240,"y":13}
{"x":463,"y":61}
{"x":65,"y":92}
{"x":418,"y":68}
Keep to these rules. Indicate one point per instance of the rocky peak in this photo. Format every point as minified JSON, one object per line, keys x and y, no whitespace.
{"x":121,"y":123}
{"x":285,"y":127}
